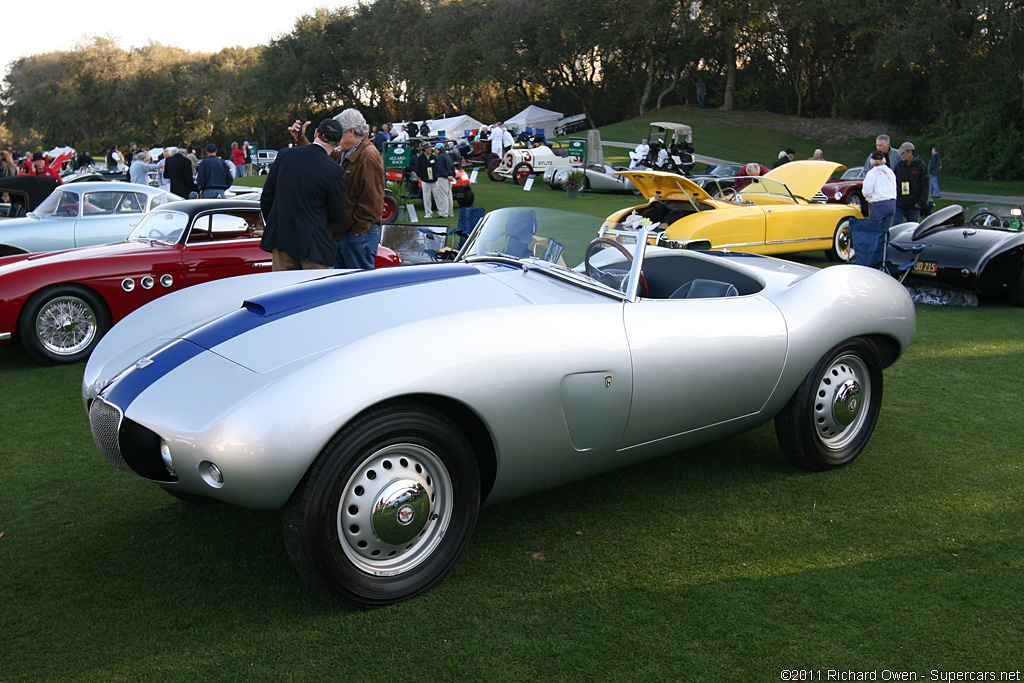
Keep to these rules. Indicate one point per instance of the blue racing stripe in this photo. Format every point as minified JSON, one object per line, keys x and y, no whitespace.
{"x":269,"y":307}
{"x":138,"y":379}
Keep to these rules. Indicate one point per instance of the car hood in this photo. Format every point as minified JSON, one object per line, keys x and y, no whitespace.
{"x":256,"y":323}
{"x":670,"y":186}
{"x":77,"y":256}
{"x":805,"y":178}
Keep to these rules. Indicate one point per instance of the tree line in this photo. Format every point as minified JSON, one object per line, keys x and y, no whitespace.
{"x":949,"y":69}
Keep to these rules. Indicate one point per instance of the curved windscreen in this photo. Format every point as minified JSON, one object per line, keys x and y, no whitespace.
{"x":551,"y":239}
{"x":162,"y":226}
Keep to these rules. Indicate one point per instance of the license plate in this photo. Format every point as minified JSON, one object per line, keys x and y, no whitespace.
{"x":926,"y":268}
{"x":627,"y":239}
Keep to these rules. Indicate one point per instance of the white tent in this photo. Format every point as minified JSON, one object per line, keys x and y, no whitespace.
{"x":453,"y":127}
{"x":535,"y":117}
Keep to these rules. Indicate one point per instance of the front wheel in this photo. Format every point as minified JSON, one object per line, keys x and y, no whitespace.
{"x":1017,"y":287}
{"x":63,"y":324}
{"x":521,"y":172}
{"x":466,"y":198}
{"x":390,"y":210}
{"x":840,"y":251}
{"x":828,"y":421}
{"x":857,"y":199}
{"x":386,"y":508}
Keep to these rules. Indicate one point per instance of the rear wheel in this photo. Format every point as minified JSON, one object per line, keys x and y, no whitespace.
{"x":466,"y":198}
{"x":828,"y":421}
{"x":840,"y":250}
{"x":521,"y":172}
{"x":63,"y":324}
{"x":386,"y":509}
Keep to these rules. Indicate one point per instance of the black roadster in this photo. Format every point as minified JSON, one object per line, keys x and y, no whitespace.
{"x":984,"y":254}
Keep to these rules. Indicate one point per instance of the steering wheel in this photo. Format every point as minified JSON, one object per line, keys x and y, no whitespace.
{"x":726,"y":193}
{"x":594,"y":272}
{"x":984,"y":218}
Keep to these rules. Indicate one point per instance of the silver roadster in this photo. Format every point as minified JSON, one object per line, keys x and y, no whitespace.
{"x":379,"y":409}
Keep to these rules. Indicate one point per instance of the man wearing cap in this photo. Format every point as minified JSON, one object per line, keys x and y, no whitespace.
{"x":426,"y":170}
{"x":892,"y":157}
{"x":213,"y":176}
{"x":911,"y":185}
{"x":39,"y":167}
{"x":304,"y":194}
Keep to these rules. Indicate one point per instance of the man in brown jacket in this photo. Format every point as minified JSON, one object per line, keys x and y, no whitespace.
{"x":358,"y":234}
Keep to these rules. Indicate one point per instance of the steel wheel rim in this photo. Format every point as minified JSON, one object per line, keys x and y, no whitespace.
{"x":395,"y":509}
{"x":842,"y":402}
{"x":66,"y":325}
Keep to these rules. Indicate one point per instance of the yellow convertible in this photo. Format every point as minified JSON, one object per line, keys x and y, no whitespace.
{"x":771,"y":214}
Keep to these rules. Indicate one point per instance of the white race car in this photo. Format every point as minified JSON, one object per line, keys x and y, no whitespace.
{"x":520,"y":163}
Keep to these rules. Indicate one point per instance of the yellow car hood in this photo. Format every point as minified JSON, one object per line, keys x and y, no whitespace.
{"x":805,"y":178}
{"x":666,"y":185}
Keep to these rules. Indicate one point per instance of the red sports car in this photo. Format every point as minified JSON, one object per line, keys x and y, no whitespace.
{"x":58,"y":304}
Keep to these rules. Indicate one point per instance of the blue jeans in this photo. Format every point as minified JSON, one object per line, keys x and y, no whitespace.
{"x":933,"y":185}
{"x":239,"y":170}
{"x":212,"y":194}
{"x":358,"y":251}
{"x":883,"y":210}
{"x":906,"y":216}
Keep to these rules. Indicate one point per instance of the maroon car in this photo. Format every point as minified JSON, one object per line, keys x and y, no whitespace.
{"x":58,"y":304}
{"x":847,"y":189}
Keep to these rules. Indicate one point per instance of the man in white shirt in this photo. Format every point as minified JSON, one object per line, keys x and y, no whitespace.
{"x":639,"y":155}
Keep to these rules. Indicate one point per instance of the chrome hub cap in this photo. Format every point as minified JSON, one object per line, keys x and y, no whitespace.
{"x":840,"y":403}
{"x":66,"y":325}
{"x":395,"y":509}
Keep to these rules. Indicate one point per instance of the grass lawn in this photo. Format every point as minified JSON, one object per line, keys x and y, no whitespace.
{"x":723,"y":563}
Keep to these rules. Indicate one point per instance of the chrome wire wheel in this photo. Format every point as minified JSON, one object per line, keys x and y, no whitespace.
{"x":843,"y":396}
{"x":66,"y":325}
{"x":395,"y":509}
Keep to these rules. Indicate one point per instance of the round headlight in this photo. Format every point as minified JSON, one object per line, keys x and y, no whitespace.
{"x":211,"y":474}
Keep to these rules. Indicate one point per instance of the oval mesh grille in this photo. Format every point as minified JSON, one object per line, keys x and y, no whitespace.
{"x":105,"y":420}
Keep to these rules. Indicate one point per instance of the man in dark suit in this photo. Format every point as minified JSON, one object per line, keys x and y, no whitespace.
{"x":178,"y":170}
{"x":303,"y":195}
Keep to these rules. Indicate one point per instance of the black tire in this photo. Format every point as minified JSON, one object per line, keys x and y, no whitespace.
{"x":467,"y":197}
{"x":828,"y":421}
{"x":62,"y":324}
{"x":413,"y":463}
{"x":840,"y":251}
{"x":521,"y":172}
{"x":494,"y":163}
